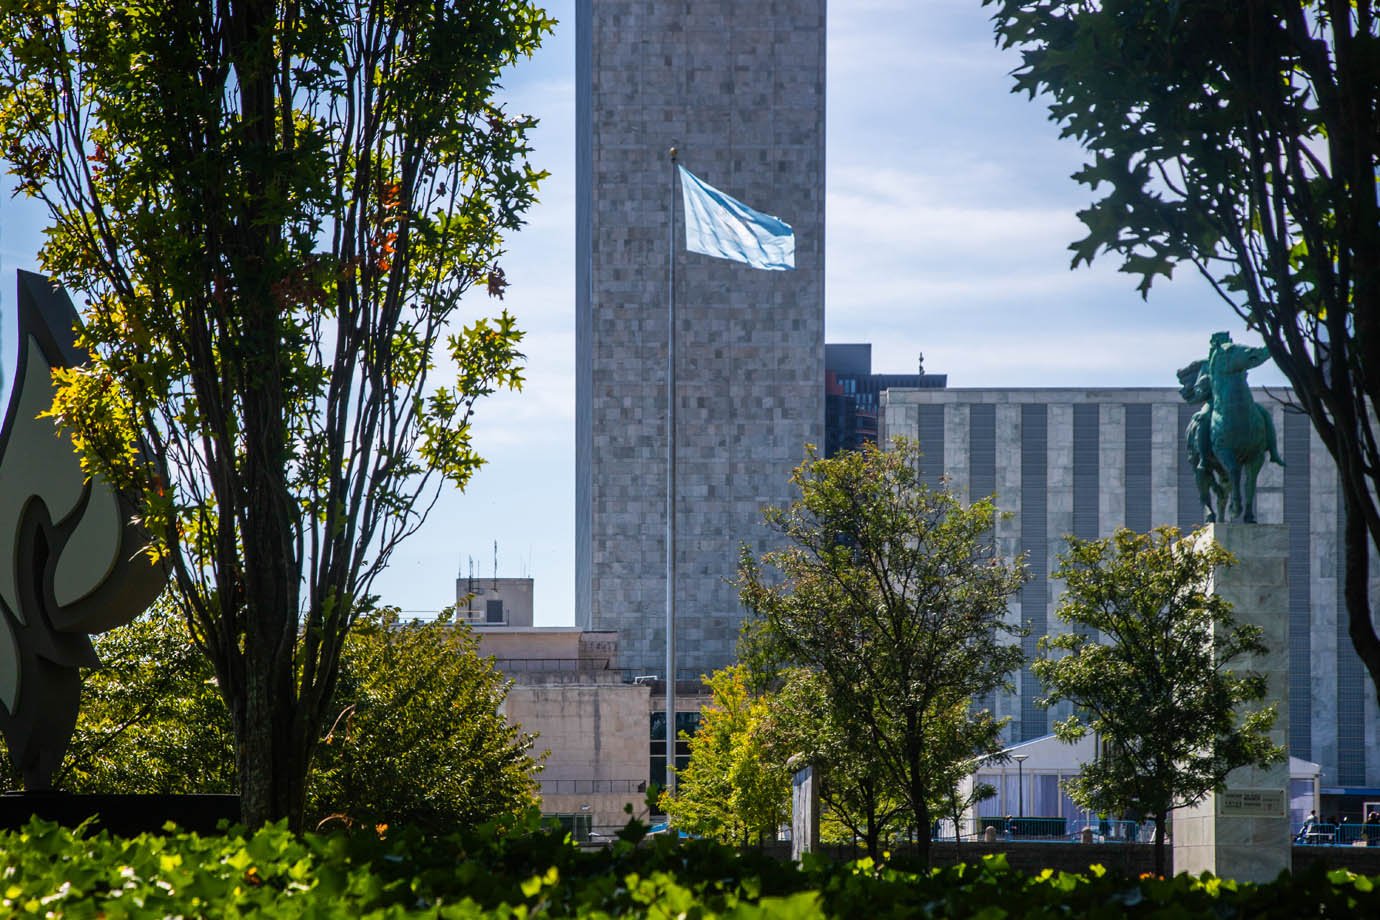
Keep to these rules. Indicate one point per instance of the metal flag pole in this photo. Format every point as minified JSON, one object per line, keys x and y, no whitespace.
{"x":671,"y":488}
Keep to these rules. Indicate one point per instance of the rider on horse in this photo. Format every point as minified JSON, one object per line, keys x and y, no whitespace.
{"x":1195,"y":385}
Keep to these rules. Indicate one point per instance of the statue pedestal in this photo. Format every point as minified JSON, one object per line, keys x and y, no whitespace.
{"x":1243,"y":831}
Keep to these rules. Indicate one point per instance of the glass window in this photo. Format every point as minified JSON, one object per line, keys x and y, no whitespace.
{"x":579,"y":826}
{"x":686,"y":725}
{"x":1010,"y":797}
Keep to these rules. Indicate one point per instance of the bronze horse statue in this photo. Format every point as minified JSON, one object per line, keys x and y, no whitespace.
{"x":1231,"y":436}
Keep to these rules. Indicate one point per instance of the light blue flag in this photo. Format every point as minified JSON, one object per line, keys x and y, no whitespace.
{"x":721,"y":226}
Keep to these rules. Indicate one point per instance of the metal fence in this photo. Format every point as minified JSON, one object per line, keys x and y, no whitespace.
{"x":1345,"y":834}
{"x":551,"y":665}
{"x":1040,"y":829}
{"x":592,"y":786}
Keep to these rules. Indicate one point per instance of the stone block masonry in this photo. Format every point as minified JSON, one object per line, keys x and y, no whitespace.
{"x":739,"y":89}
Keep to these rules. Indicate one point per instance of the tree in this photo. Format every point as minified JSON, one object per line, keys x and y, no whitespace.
{"x":152,"y":719}
{"x":421,"y":738}
{"x":854,"y":790}
{"x":730,"y":791}
{"x":894,"y":593}
{"x":272,"y":211}
{"x":1159,"y":689}
{"x":1242,"y":139}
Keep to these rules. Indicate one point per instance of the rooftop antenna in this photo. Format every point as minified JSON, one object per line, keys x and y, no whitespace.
{"x":921,"y":362}
{"x":495,"y":565}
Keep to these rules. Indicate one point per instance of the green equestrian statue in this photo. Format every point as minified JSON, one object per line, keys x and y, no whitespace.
{"x":1231,"y":435}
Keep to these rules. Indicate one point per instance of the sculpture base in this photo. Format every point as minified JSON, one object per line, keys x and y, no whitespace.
{"x":121,"y":815}
{"x":1242,"y":832}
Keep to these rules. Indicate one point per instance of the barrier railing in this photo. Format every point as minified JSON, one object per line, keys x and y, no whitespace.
{"x":1344,"y":834}
{"x":1044,"y":829}
{"x":592,"y":786}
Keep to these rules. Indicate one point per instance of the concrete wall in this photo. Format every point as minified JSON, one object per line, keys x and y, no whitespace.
{"x":595,"y":727}
{"x":597,"y":736}
{"x":473,"y":595}
{"x":739,"y":89}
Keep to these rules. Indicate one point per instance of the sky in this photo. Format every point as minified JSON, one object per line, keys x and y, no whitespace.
{"x":949,"y":209}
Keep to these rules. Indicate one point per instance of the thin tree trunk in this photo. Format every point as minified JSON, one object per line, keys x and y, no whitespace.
{"x":874,"y":830}
{"x":922,"y":824}
{"x":1356,"y":589}
{"x":1159,"y":844}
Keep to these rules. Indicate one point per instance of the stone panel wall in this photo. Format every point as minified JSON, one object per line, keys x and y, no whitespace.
{"x":1142,"y":475}
{"x":739,"y":89}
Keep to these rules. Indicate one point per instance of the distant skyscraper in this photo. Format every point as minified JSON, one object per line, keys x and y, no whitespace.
{"x":738,"y":88}
{"x":852,"y":394}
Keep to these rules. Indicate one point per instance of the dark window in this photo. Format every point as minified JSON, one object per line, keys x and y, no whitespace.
{"x":493,"y":611}
{"x":686,"y":724}
{"x":579,"y":826}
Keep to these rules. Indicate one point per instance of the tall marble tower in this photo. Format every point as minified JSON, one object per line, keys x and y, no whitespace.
{"x":738,"y":88}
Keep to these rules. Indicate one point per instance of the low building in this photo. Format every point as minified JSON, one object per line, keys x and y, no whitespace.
{"x":494,"y":601}
{"x":603,"y":728}
{"x":1029,"y":782}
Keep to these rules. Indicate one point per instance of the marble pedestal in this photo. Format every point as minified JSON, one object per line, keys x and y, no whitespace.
{"x":1243,"y":831}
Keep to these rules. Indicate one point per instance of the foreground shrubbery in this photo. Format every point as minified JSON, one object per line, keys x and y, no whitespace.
{"x":496,"y":872}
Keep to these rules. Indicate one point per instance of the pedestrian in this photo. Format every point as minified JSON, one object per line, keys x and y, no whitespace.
{"x":1310,"y":825}
{"x":1373,"y":829}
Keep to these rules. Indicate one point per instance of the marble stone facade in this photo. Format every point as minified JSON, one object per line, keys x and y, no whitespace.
{"x":1243,"y":831}
{"x":738,"y":88}
{"x":1130,"y":468}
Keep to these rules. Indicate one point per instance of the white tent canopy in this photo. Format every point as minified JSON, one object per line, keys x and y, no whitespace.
{"x":1031,"y":785}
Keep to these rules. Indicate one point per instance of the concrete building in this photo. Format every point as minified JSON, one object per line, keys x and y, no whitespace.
{"x":1088,"y":461}
{"x":1034,"y":786}
{"x":738,"y":88}
{"x":603,"y":728}
{"x":852,"y":394}
{"x":494,"y":601}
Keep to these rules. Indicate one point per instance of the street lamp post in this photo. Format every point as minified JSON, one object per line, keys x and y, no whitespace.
{"x":1020,"y":784}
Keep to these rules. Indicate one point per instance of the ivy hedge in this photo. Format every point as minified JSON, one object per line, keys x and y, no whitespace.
{"x":507,"y":870}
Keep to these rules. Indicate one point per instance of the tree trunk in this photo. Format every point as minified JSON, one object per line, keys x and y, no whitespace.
{"x":1356,"y":589}
{"x":922,"y":824}
{"x":271,"y":760}
{"x":874,"y":830}
{"x":1159,"y":844}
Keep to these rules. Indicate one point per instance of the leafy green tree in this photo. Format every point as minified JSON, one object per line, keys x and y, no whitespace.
{"x":730,"y":791}
{"x":1159,"y":688}
{"x":421,"y":739}
{"x":152,"y":719}
{"x":857,"y":797}
{"x":894,"y":593}
{"x":272,"y":210}
{"x":1242,"y":139}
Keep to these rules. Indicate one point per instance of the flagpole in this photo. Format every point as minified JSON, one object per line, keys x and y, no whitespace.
{"x":671,"y":489}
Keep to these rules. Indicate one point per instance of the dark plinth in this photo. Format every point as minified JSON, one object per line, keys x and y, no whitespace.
{"x":121,"y":815}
